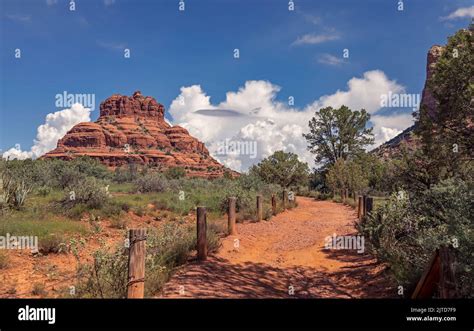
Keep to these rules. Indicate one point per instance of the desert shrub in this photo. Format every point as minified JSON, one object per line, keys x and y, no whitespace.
{"x":161,"y":204}
{"x":67,"y":177}
{"x":322,"y":196}
{"x":76,"y":211}
{"x":55,"y":173}
{"x":52,"y":243}
{"x":16,"y":182}
{"x":140,"y":210}
{"x":111,"y":209}
{"x":118,"y":223}
{"x":267,"y":213}
{"x":106,"y":277}
{"x":89,"y":192}
{"x":125,"y":207}
{"x":175,"y":173}
{"x":151,"y":182}
{"x":39,"y":224}
{"x":3,"y":260}
{"x":170,"y":245}
{"x":406,"y":232}
{"x":250,"y":182}
{"x":90,"y":167}
{"x":213,"y":241}
{"x":351,"y":202}
{"x":167,"y":247}
{"x":125,"y":174}
{"x":43,"y":190}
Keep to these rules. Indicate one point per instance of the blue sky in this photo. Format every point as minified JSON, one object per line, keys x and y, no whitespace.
{"x":81,"y":51}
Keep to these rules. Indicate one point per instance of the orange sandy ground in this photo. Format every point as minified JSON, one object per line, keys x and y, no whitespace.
{"x":286,"y":253}
{"x":57,"y":271}
{"x":272,"y":258}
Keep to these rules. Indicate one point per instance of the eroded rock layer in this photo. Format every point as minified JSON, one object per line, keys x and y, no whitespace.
{"x":133,"y":130}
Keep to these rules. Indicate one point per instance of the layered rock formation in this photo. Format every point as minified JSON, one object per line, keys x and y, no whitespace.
{"x":133,"y":130}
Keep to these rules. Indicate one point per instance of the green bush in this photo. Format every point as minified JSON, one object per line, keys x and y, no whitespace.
{"x":175,"y":173}
{"x":406,"y":232}
{"x":16,"y":182}
{"x":44,"y":191}
{"x":89,"y":192}
{"x":118,"y":222}
{"x":106,"y":277}
{"x":151,"y":182}
{"x":52,"y":243}
{"x":125,"y":174}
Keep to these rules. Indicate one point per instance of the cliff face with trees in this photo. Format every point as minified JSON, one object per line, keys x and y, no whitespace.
{"x":424,"y":176}
{"x":432,"y":204}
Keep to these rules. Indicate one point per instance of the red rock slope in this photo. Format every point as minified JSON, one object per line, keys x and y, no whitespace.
{"x":133,"y":130}
{"x":391,"y":148}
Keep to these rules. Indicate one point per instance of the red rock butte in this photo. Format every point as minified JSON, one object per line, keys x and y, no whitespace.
{"x":133,"y":130}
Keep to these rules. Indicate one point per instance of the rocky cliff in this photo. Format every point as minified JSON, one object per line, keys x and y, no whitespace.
{"x":407,"y":138}
{"x":133,"y":130}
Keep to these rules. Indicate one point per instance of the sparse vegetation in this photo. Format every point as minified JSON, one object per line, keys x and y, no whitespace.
{"x":39,"y":289}
{"x":3,"y":260}
{"x":167,"y":248}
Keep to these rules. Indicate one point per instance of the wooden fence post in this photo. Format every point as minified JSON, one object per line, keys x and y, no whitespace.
{"x":438,"y":277}
{"x":274,"y":205}
{"x":136,"y":264}
{"x":201,"y":233}
{"x":447,"y":279}
{"x":259,"y":208}
{"x":285,"y":199}
{"x":364,"y":203}
{"x":369,"y":203}
{"x":231,"y":216}
{"x":359,"y":208}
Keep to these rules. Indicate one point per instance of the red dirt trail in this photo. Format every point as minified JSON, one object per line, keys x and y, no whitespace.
{"x":285,"y":258}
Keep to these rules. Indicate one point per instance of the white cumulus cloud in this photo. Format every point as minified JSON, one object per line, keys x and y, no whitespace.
{"x":387,"y":127}
{"x":56,"y":125}
{"x":362,"y":92}
{"x":272,"y":125}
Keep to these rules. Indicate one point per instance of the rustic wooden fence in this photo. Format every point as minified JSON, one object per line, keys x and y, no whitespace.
{"x":137,"y":241}
{"x":136,"y":263}
{"x":365,"y":206}
{"x":438,"y":276}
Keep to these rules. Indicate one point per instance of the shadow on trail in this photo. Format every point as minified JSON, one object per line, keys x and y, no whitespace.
{"x":217,"y":278}
{"x":364,"y":270}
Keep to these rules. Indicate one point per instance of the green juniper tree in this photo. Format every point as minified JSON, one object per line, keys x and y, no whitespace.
{"x":282,"y":168}
{"x":338,"y":134}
